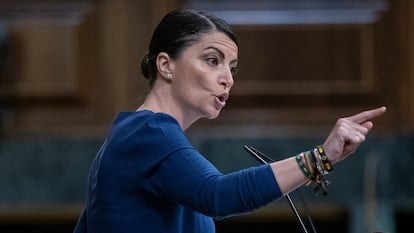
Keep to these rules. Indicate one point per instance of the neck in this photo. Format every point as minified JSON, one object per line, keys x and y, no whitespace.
{"x":160,"y":100}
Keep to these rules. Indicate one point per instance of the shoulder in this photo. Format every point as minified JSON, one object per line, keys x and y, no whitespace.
{"x":144,"y":120}
{"x":149,"y":126}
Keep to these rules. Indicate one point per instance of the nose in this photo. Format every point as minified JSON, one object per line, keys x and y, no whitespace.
{"x":226,"y":79}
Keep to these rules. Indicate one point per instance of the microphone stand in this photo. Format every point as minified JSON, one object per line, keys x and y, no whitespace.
{"x":262,"y":158}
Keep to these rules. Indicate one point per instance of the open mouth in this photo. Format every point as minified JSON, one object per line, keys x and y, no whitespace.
{"x":223,"y":98}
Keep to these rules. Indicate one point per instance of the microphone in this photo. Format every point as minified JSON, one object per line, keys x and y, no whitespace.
{"x":264,"y":159}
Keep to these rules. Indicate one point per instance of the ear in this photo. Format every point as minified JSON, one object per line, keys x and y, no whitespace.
{"x":164,"y":65}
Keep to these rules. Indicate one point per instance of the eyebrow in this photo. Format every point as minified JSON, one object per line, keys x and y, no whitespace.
{"x":220,"y":53}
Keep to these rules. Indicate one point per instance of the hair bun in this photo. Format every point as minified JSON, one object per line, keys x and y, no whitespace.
{"x":146,"y":66}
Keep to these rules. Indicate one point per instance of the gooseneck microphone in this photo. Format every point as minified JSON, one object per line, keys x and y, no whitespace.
{"x":264,"y":159}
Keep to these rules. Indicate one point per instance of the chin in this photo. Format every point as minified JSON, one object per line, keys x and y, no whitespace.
{"x":213,"y":115}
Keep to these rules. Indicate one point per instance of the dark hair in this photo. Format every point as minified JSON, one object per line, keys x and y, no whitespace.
{"x":178,"y":30}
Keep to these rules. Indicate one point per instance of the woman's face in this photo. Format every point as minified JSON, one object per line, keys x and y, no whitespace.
{"x":203,"y":75}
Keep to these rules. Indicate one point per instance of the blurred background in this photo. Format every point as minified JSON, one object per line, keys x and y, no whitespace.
{"x":68,"y":67}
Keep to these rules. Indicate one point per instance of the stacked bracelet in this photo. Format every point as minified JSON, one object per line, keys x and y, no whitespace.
{"x":315,"y":165}
{"x":325,"y":161}
{"x":301,"y":162}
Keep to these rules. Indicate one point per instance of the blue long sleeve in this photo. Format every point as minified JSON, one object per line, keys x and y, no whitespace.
{"x":190,"y":179}
{"x":147,"y":177}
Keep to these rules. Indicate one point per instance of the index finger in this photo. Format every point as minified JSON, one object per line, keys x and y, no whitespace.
{"x":367,"y":115}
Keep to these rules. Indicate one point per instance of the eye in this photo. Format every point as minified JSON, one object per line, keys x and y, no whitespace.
{"x":234,"y":70}
{"x":212,"y":61}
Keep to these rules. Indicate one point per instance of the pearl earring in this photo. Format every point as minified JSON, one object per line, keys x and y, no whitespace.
{"x":169,"y":76}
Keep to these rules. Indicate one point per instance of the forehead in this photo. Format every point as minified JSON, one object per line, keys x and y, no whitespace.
{"x":217,"y":40}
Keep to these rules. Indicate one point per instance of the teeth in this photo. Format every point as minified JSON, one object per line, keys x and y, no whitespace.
{"x":222,"y":98}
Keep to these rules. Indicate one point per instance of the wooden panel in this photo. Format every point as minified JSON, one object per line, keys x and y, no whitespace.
{"x":305,"y":60}
{"x":72,"y":78}
{"x":394,"y":63}
{"x":48,"y":67}
{"x":407,"y":44}
{"x":46,"y":87}
{"x":411,"y":63}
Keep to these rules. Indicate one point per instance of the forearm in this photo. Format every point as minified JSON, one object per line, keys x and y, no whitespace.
{"x":288,"y":175}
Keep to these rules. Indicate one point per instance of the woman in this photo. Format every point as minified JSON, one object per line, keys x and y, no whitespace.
{"x":148,"y":178}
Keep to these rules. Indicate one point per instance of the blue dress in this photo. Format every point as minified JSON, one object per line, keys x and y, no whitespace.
{"x":148,"y":178}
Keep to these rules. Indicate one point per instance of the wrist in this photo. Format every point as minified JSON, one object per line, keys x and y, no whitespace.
{"x":315,"y":165}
